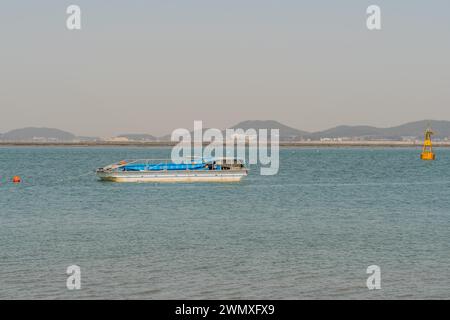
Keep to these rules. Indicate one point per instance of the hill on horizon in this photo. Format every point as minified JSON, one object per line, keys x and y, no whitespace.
{"x":412,"y":130}
{"x":286,"y":132}
{"x":33,"y":134}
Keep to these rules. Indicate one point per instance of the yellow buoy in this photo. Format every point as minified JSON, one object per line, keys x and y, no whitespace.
{"x":427,"y":152}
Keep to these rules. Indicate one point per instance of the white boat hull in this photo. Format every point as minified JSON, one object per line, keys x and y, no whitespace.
{"x":173,"y":176}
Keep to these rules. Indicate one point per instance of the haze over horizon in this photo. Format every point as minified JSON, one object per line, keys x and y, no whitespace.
{"x":149,"y":67}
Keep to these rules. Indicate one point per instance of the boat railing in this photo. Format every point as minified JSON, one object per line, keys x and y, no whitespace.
{"x":148,"y":162}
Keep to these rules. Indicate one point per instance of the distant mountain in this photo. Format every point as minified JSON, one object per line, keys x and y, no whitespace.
{"x":412,"y":129}
{"x":416,"y":129}
{"x":138,"y":137}
{"x":38,"y":134}
{"x":286,"y":133}
{"x":409,"y":130}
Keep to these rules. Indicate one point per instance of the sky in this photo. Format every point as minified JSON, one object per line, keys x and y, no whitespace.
{"x":156,"y":65}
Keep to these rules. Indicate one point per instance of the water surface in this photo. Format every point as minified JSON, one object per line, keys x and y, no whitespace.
{"x":309,"y":232}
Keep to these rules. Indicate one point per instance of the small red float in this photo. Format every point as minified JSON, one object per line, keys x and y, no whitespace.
{"x":16,"y":179}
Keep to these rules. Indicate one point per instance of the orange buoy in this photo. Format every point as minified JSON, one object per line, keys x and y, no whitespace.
{"x":16,"y":179}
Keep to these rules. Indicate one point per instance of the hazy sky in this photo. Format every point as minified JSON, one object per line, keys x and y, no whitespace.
{"x":151,"y":66}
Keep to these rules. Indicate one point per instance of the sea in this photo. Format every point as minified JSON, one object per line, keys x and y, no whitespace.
{"x":312,"y":231}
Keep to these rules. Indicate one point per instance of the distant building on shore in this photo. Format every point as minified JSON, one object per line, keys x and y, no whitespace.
{"x":116,"y":139}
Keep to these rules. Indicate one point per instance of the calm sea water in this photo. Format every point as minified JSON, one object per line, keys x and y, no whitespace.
{"x":309,"y":232}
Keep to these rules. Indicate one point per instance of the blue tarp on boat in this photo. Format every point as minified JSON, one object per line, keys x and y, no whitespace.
{"x":163,"y":166}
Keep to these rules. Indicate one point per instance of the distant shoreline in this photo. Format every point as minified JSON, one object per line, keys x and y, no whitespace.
{"x":171,"y":144}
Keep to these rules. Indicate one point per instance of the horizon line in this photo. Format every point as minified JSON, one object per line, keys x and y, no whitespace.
{"x":205,"y":128}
